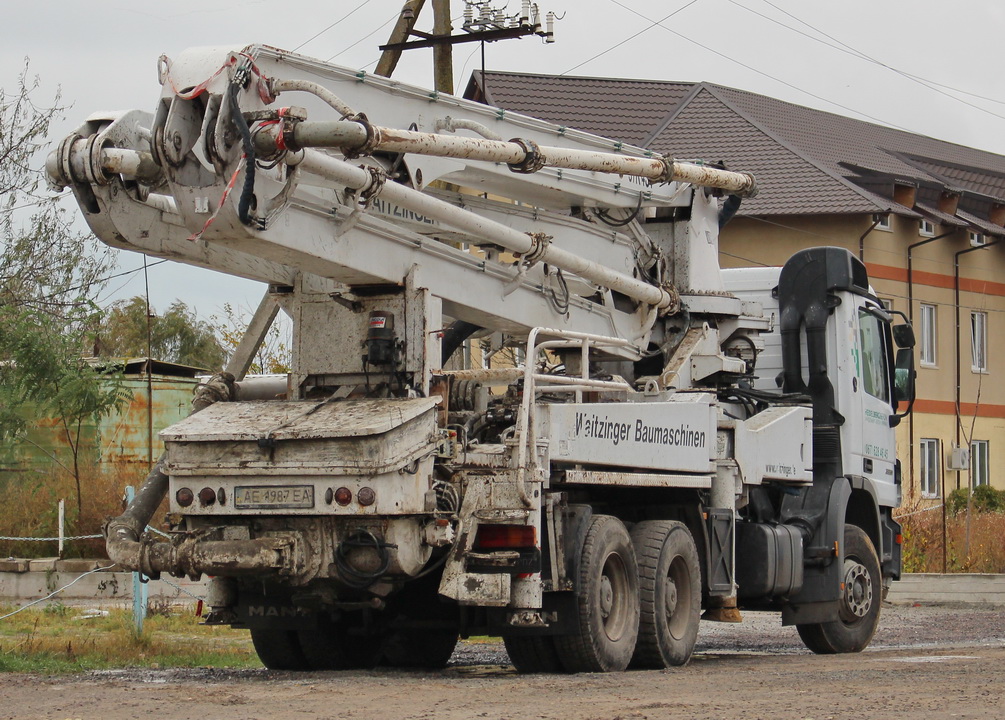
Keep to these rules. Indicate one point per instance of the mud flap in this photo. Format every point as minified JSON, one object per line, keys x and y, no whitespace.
{"x":819,"y":598}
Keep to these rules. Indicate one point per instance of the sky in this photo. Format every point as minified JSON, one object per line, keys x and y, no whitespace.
{"x":926,"y":66}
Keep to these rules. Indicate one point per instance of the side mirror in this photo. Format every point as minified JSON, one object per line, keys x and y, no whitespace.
{"x":903,"y":380}
{"x":903,"y":336}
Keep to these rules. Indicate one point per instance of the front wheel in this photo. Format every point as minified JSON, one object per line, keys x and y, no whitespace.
{"x":858,"y":615}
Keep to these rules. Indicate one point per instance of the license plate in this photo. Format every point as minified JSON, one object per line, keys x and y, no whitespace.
{"x":282,"y":497}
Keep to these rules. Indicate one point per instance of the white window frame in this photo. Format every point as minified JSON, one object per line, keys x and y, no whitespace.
{"x":979,"y":462}
{"x":930,"y":467}
{"x":926,"y":228}
{"x":976,"y":239}
{"x":882,"y":221}
{"x":928,"y":327}
{"x":979,"y":341}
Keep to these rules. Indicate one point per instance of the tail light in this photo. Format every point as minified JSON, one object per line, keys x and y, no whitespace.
{"x":505,"y":537}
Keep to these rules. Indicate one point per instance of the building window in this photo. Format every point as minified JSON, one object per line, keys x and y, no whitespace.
{"x":887,"y":303}
{"x":926,"y":228}
{"x":979,"y":341}
{"x":928,"y":339}
{"x":979,"y":462}
{"x":976,"y":238}
{"x":882,"y":221}
{"x":930,"y":467}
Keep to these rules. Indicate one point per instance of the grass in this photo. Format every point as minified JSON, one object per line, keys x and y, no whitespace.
{"x":60,"y":639}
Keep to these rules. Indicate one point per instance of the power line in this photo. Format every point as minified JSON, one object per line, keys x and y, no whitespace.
{"x":653,"y":24}
{"x":755,"y":70}
{"x":322,"y":32}
{"x":861,"y":54}
{"x":100,"y":280}
{"x":849,"y":50}
{"x":36,"y":203}
{"x":365,"y":37}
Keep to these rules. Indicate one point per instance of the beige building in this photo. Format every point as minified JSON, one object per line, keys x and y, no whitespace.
{"x":925,"y":216}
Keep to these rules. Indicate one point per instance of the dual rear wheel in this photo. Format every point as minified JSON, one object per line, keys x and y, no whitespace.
{"x":639,"y":603}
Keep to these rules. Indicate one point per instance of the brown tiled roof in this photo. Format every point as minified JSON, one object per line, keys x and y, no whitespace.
{"x":806,"y":161}
{"x":595,"y":105}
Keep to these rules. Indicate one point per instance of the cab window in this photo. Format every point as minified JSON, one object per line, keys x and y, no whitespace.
{"x":873,"y":369}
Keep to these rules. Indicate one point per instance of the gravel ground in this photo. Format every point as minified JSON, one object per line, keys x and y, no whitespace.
{"x":937,"y":663}
{"x":900,"y":626}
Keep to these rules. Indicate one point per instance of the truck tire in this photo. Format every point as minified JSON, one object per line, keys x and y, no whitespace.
{"x":858,"y":615}
{"x":331,"y":647}
{"x":533,"y":654}
{"x":669,"y":593}
{"x":278,"y":649}
{"x":427,"y":649}
{"x":608,"y":602}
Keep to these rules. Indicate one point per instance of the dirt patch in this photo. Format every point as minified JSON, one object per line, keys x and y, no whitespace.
{"x":925,"y":662}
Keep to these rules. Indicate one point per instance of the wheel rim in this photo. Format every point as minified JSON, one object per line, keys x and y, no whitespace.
{"x":614,"y":588}
{"x":677,"y":597}
{"x":858,"y":596}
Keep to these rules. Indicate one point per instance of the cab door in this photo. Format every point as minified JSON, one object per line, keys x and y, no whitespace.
{"x":872,"y":450}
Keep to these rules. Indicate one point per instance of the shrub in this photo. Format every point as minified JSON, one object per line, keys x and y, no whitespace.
{"x":30,"y":501}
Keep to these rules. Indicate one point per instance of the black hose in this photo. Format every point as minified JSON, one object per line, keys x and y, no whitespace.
{"x":248,"y":191}
{"x":352,"y":576}
{"x":454,"y":336}
{"x":728,"y":209}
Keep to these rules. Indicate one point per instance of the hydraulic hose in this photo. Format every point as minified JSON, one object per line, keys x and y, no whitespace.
{"x":248,"y":191}
{"x":454,"y":337}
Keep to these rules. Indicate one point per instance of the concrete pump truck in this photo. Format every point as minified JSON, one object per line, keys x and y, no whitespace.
{"x":647,"y":438}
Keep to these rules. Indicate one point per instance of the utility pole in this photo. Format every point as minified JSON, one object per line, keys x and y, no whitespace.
{"x":443,"y":53}
{"x":490,"y":25}
{"x":401,"y":32}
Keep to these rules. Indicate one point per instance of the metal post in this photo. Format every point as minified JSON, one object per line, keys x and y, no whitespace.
{"x":140,"y":588}
{"x":62,"y":525}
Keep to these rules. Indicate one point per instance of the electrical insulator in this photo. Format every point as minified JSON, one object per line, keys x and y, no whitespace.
{"x":525,"y":12}
{"x":549,"y":36}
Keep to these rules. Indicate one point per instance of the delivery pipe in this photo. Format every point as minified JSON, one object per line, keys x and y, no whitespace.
{"x":521,"y":155}
{"x":532,"y":247}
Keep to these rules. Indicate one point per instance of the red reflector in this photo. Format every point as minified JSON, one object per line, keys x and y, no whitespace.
{"x":495,"y":537}
{"x":899,"y":539}
{"x":343,"y":496}
{"x":184,"y":497}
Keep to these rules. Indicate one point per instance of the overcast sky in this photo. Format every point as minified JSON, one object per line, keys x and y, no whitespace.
{"x":926,"y":66}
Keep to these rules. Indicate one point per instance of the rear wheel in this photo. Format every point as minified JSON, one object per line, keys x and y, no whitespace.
{"x":279,"y":649}
{"x":858,"y":615}
{"x":608,"y":602}
{"x":330,"y":646}
{"x":422,"y":628}
{"x":669,"y":594}
{"x":533,"y":654}
{"x":419,"y":648}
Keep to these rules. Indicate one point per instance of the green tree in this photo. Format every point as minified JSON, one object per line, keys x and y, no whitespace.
{"x":175,"y":336}
{"x":274,"y":355}
{"x":49,"y":274}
